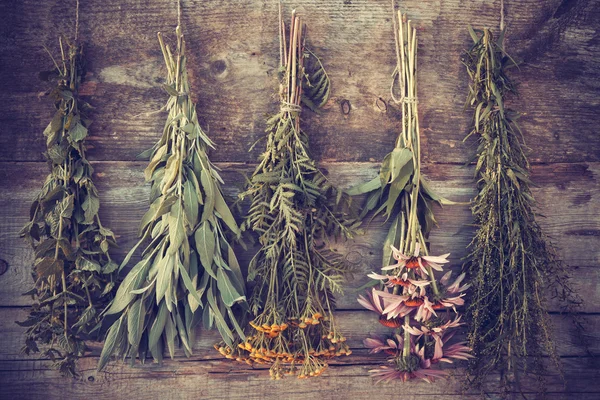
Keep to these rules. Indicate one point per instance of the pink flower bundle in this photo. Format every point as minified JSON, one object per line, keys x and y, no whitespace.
{"x":420,"y":308}
{"x":411,"y":300}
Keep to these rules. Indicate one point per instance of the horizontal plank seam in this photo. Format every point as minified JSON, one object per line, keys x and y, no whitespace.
{"x":344,"y":310}
{"x":326,"y":161}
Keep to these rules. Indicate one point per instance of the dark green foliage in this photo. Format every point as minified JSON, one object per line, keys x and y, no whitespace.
{"x":294,"y":210}
{"x":188,"y":272}
{"x":73,"y":273}
{"x":513,"y":266}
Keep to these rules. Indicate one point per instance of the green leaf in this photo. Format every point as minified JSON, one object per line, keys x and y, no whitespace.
{"x":90,"y":206}
{"x":135,"y":323}
{"x":228,"y":292}
{"x":170,"y":334}
{"x":224,"y":330}
{"x":513,"y":178}
{"x":398,"y":160}
{"x":51,"y":131}
{"x":234,"y":264}
{"x":188,"y":282}
{"x":156,"y":159}
{"x":169,"y":89}
{"x":78,"y":132}
{"x":209,"y":194}
{"x":190,"y":203}
{"x":110,"y":342}
{"x":164,"y":278}
{"x":225,"y":213}
{"x":87,"y":265}
{"x":398,"y":186}
{"x":177,"y":232}
{"x":110,"y":267}
{"x":366,"y":187}
{"x":156,"y":330}
{"x":205,"y":245}
{"x":86,"y":316}
{"x":132,"y":281}
{"x":390,"y":240}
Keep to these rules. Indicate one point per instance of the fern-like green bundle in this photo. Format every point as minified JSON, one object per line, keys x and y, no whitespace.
{"x":74,"y":275}
{"x":293,"y":210}
{"x":188,"y":272}
{"x":513,"y":267}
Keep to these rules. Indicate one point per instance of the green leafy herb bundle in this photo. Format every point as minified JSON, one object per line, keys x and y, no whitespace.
{"x":513,"y":266}
{"x":73,"y":272}
{"x":188,"y":271}
{"x":294,"y":209}
{"x":412,"y":299}
{"x":391,"y":193}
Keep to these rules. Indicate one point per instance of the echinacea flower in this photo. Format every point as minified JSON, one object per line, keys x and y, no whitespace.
{"x":457,"y":350}
{"x":389,"y":306}
{"x":417,"y":261}
{"x":415,"y":366}
{"x":451,"y":300}
{"x":377,"y":344}
{"x":436,"y":333}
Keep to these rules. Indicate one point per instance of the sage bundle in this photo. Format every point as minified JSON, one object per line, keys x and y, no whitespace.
{"x":513,"y":265}
{"x":73,"y":272}
{"x":411,"y":300}
{"x":188,"y":272}
{"x":293,"y":210}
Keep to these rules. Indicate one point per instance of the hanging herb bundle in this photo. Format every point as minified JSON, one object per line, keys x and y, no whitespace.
{"x":73,"y":272}
{"x":293,"y":210}
{"x":188,"y":271}
{"x":511,"y":262}
{"x":412,"y":300}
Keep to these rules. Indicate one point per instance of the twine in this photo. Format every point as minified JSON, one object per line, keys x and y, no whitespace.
{"x":290,"y":107}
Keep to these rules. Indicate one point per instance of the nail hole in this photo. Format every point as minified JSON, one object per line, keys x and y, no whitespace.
{"x":218,"y":67}
{"x":381,"y":104}
{"x":345,"y":107}
{"x":3,"y":267}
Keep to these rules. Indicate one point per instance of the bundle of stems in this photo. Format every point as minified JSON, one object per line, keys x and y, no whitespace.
{"x":293,"y":210}
{"x":514,"y":267}
{"x":188,"y":270}
{"x":412,"y":300}
{"x":73,"y":272}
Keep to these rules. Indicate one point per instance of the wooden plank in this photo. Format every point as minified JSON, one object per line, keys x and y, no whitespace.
{"x":574,"y":222}
{"x":233,"y":66}
{"x":218,"y":380}
{"x":355,"y":325}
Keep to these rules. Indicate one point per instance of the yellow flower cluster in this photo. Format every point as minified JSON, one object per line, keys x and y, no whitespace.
{"x":299,"y":347}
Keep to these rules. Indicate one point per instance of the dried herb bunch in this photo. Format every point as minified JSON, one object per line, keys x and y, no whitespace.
{"x":293,"y":210}
{"x":73,"y":272}
{"x":188,"y":270}
{"x":412,"y":300}
{"x":511,"y":262}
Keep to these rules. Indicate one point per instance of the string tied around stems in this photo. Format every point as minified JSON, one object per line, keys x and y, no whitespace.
{"x":290,"y":107}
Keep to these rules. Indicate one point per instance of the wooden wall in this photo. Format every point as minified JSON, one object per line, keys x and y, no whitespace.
{"x":233,"y":56}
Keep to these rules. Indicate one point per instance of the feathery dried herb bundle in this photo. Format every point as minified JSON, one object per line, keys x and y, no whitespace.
{"x":73,"y":272}
{"x":293,"y":210}
{"x":412,"y":297}
{"x":188,"y":271}
{"x":511,"y":261}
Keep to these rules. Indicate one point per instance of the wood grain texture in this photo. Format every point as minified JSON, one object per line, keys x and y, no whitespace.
{"x":233,"y":58}
{"x":214,"y":379}
{"x":233,"y":62}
